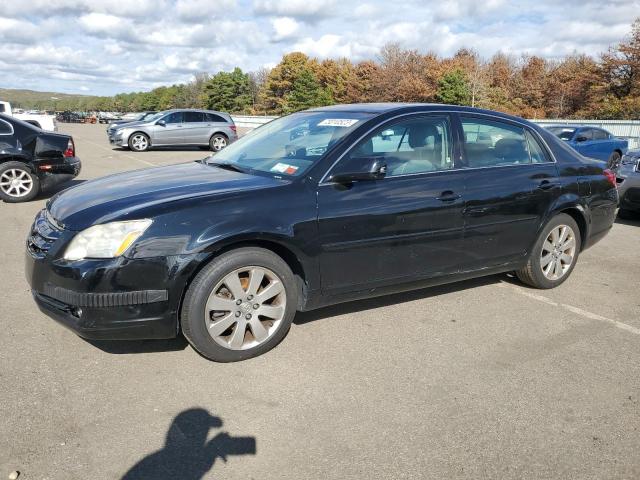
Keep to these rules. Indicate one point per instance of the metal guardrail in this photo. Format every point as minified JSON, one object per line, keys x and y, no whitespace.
{"x":250,"y":122}
{"x":627,"y":129}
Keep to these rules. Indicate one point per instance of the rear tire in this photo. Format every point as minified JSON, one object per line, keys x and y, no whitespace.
{"x":548,"y":265}
{"x":217,"y":142}
{"x":18,"y":183}
{"x":240,"y":305}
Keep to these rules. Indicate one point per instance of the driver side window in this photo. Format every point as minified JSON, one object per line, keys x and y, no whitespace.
{"x":410,"y":146}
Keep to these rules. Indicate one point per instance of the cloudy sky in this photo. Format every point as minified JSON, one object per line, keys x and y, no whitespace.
{"x":111,"y":46}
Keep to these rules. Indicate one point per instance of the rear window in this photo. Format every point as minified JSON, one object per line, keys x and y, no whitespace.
{"x":2,"y":108}
{"x":212,"y":117}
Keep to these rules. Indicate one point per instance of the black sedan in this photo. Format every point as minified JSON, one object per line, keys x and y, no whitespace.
{"x":369,"y":199}
{"x":32,"y":160}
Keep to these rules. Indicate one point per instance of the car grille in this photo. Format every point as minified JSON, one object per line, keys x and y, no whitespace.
{"x":42,"y":236}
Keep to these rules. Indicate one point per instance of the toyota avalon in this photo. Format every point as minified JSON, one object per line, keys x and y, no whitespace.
{"x":319,"y":207}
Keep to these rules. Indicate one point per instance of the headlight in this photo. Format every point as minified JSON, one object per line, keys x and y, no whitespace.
{"x":105,"y":241}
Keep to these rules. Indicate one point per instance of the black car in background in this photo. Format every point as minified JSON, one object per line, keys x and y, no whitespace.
{"x":32,"y":160}
{"x":315,"y":208}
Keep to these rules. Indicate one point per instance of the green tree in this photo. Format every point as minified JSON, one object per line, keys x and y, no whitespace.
{"x":229,"y":91}
{"x":306,"y":93}
{"x":280,"y":81}
{"x":453,"y":88}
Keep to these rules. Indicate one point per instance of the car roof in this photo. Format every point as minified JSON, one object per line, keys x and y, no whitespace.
{"x":381,"y":108}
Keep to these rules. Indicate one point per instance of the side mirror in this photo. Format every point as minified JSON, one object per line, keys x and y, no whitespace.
{"x":162,"y":123}
{"x":581,"y":138}
{"x":373,"y":168}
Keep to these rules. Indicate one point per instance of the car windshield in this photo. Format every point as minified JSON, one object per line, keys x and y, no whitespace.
{"x":151,"y":117}
{"x":290,"y":145}
{"x":564,"y":133}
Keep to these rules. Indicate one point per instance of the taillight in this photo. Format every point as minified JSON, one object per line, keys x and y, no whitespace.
{"x":233,"y":127}
{"x":71,"y":149}
{"x":610,"y":176}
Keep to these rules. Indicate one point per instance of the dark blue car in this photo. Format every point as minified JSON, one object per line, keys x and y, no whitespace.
{"x":592,"y":142}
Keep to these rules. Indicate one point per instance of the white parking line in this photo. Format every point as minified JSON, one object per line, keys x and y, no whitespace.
{"x":123,"y":154}
{"x":571,"y":308}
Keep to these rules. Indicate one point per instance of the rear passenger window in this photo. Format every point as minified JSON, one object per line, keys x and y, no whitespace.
{"x":536,"y":151}
{"x":5,"y":128}
{"x":193,"y":117}
{"x":489,"y":143}
{"x":600,"y":135}
{"x":210,"y":117}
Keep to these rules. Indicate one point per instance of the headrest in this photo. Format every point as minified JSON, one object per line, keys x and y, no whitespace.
{"x":511,"y":148}
{"x":419,"y":132}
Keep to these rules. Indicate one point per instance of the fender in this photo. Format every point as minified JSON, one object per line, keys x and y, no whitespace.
{"x":564,"y":202}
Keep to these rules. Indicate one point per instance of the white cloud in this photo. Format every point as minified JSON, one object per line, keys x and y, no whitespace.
{"x":109,"y":46}
{"x":285,"y":27}
{"x":304,"y":9}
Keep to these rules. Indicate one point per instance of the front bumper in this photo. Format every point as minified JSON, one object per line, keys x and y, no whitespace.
{"x":628,"y":179}
{"x":117,"y":139}
{"x":116,"y":299}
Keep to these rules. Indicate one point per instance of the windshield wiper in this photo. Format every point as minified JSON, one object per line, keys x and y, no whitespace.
{"x":227,"y":166}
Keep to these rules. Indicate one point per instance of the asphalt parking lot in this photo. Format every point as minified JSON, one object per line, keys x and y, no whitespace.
{"x":480,"y":379}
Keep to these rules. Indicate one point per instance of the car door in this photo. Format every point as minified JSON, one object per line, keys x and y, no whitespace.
{"x":194,"y":128}
{"x":603,"y":144}
{"x":511,"y":181}
{"x":168,"y":130}
{"x":215,"y":123}
{"x":583,"y":142}
{"x":406,"y":225}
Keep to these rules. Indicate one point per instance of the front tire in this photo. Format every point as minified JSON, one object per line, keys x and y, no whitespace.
{"x":139,"y":142}
{"x":18,"y":183}
{"x":240,"y":305}
{"x":217,"y":142}
{"x":554,"y":254}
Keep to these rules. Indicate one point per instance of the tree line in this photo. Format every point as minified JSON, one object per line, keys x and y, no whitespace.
{"x":605,"y":86}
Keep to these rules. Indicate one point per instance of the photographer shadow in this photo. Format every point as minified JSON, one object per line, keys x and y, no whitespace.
{"x":187,"y":454}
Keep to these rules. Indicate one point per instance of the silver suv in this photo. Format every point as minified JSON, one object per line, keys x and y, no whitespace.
{"x":175,"y":128}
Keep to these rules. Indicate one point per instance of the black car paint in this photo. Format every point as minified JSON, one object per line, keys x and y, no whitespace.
{"x":41,"y":151}
{"x":343,"y":242}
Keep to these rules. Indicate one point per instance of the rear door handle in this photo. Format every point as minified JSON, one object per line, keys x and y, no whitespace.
{"x":547,"y":185}
{"x":448,"y":196}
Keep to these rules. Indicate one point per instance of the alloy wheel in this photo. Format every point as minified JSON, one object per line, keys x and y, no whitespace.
{"x":139,"y":142}
{"x":16,"y":182}
{"x":558,"y":252}
{"x":245,"y":308}
{"x":218,"y":143}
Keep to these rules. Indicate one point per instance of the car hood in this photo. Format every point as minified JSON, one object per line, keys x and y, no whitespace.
{"x":129,"y":195}
{"x":133,"y":123}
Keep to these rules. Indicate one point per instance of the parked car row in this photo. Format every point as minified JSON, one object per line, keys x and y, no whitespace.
{"x":32,"y":160}
{"x":188,"y":127}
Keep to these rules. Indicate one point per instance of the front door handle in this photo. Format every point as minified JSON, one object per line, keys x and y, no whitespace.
{"x":448,"y":196}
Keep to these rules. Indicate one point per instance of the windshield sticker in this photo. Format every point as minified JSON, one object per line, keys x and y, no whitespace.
{"x":284,"y":168}
{"x":338,"y":122}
